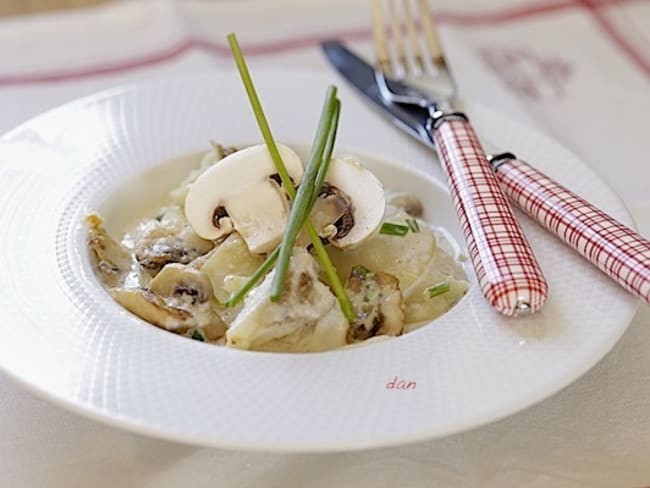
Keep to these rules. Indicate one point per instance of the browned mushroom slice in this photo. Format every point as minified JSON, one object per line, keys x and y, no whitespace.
{"x":187,"y":288}
{"x":183,"y":284}
{"x":178,"y":299}
{"x":377,"y":300}
{"x":155,"y":251}
{"x":152,"y":308}
{"x":163,"y":245}
{"x":176,"y":313}
{"x":113,"y":261}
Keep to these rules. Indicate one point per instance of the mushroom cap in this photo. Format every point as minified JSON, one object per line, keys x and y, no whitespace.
{"x":367,"y":195}
{"x":182,"y":281}
{"x":252,"y":202}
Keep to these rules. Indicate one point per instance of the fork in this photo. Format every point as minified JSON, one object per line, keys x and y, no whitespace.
{"x":508,"y":273}
{"x":428,"y":73}
{"x":617,"y":250}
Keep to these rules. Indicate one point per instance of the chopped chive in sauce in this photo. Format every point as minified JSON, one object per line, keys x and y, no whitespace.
{"x":391,"y":229}
{"x":438,"y":289}
{"x":361,"y":271}
{"x":413,"y":225}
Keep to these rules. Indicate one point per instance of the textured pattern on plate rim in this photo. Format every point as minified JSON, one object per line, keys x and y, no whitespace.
{"x":105,"y":363}
{"x":506,"y":267}
{"x":617,"y":250}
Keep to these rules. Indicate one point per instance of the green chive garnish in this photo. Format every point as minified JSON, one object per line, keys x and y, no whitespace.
{"x":321,"y":252}
{"x":413,"y":225}
{"x":300,"y":208}
{"x":360,"y":271}
{"x":259,"y":114}
{"x":260,"y":273}
{"x":438,"y":289}
{"x":327,"y":154}
{"x":391,"y":229}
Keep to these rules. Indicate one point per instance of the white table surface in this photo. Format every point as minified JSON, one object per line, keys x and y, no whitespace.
{"x":577,"y":71}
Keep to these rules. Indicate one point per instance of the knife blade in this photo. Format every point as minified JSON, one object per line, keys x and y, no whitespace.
{"x":618,"y":251}
{"x":361,"y":77}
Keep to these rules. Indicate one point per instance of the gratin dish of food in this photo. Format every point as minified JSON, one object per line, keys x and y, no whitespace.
{"x":183,"y":268}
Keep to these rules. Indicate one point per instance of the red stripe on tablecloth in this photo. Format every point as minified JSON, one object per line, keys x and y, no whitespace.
{"x":218,"y":49}
{"x":508,"y":15}
{"x":175,"y":51}
{"x":615,"y":35}
{"x":518,"y":13}
{"x":99,"y":69}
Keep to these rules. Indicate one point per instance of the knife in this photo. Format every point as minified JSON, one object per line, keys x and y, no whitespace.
{"x":618,"y":251}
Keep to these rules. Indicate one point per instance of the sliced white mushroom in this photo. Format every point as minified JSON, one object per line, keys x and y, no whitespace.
{"x":242,"y":193}
{"x":329,"y":208}
{"x":364,"y":194}
{"x":211,"y":157}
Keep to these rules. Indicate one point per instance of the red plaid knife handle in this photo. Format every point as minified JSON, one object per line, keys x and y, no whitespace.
{"x":621,"y":253}
{"x":507,"y":271}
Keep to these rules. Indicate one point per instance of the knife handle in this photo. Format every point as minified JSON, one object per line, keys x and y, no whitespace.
{"x":618,"y":251}
{"x":507,"y":271}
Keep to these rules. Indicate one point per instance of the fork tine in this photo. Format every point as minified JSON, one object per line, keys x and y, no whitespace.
{"x":397,"y":36}
{"x":413,"y":36}
{"x":433,"y":45}
{"x":379,"y":33}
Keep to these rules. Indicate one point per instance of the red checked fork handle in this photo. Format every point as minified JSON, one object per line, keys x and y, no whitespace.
{"x":619,"y":252}
{"x":507,"y":271}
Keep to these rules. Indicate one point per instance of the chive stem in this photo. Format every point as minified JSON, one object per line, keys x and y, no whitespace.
{"x":438,"y":289}
{"x":391,"y":229}
{"x":328,"y":266}
{"x":327,"y":154}
{"x":332,"y":276}
{"x":413,"y":225}
{"x":259,"y":115}
{"x":301,"y":208}
{"x":260,"y":273}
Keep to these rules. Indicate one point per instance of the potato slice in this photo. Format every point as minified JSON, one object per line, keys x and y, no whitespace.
{"x":230,"y":260}
{"x":419,"y":306}
{"x":405,"y":257}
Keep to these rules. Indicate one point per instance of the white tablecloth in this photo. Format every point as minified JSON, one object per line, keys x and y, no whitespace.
{"x":579,"y":70}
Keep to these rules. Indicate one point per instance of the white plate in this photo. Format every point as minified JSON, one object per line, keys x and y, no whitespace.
{"x":63,"y":337}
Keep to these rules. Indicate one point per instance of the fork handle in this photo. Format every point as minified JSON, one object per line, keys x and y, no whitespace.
{"x":618,"y":251}
{"x":507,"y":271}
